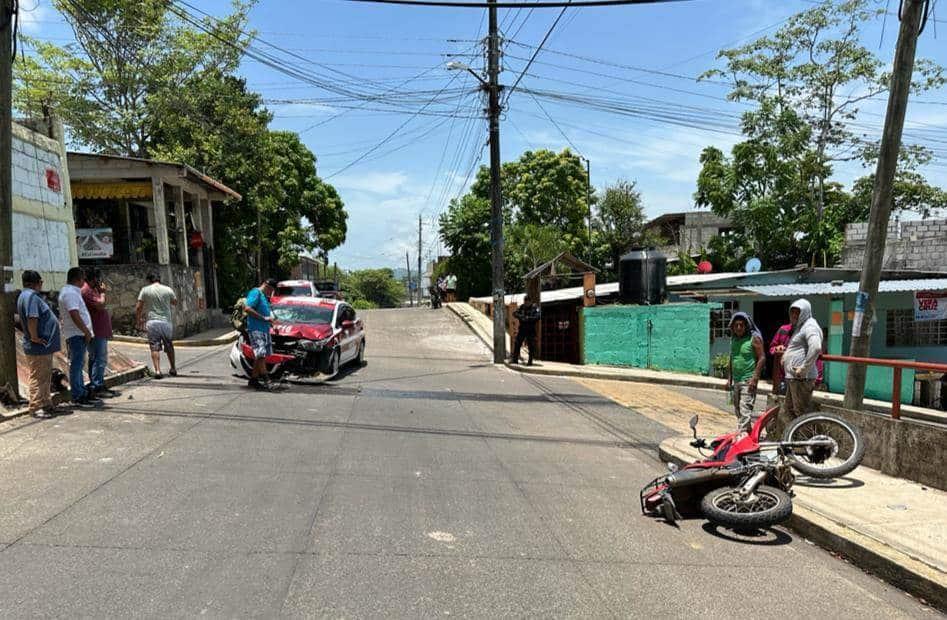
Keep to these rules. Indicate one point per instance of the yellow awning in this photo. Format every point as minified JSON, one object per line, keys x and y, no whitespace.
{"x":111,"y":191}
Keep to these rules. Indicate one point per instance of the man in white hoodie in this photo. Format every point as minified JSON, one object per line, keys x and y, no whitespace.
{"x":802,"y":351}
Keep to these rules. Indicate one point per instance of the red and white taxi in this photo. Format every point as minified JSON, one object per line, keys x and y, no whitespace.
{"x":312,"y":338}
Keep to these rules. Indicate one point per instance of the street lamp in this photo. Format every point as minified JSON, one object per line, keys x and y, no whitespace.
{"x":456,"y":65}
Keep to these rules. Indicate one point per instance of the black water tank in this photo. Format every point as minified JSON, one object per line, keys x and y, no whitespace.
{"x":642,"y":277}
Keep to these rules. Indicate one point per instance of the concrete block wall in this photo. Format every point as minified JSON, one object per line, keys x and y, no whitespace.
{"x":43,"y":225}
{"x":917,"y":245}
{"x":672,"y":337}
{"x":125,"y":281}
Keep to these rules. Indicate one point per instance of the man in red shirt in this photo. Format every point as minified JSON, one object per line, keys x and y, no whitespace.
{"x":93,"y":294}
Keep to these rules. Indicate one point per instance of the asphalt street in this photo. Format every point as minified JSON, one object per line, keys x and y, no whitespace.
{"x":426,"y":483}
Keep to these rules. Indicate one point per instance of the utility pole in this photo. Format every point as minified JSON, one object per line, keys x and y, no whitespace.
{"x":496,"y":205}
{"x":588,"y":201}
{"x":882,"y":196}
{"x":7,"y":337}
{"x":407,"y":283}
{"x":419,"y":259}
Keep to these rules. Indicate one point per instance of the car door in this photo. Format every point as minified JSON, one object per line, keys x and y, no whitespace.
{"x":347,"y":339}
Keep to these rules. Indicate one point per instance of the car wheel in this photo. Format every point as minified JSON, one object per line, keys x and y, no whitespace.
{"x":360,"y":360}
{"x":333,"y":364}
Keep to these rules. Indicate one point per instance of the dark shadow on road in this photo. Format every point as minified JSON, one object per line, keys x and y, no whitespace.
{"x":768,"y":537}
{"x":419,"y":430}
{"x":846,"y":482}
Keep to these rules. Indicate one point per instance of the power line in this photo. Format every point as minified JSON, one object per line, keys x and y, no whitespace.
{"x":536,"y":52}
{"x":543,"y":4}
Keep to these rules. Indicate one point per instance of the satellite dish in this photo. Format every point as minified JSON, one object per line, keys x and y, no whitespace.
{"x":753,"y":265}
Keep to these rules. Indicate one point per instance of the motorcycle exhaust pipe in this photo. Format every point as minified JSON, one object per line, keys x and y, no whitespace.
{"x":690,"y":477}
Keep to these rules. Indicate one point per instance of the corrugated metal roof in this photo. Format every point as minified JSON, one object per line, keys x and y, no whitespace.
{"x":845,"y":288}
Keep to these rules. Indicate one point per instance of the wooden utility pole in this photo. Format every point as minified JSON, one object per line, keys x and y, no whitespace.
{"x":496,"y":204}
{"x":407,"y":283}
{"x":419,"y":259}
{"x":8,"y":378}
{"x":882,"y":196}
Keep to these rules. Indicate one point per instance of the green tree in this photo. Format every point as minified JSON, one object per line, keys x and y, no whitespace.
{"x":465,"y":230}
{"x":377,"y":288}
{"x":126,"y":52}
{"x":816,"y":66}
{"x":618,"y":225}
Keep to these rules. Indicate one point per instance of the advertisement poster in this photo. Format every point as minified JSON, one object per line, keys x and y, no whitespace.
{"x":861,"y":304}
{"x":930,"y":305}
{"x":94,"y":242}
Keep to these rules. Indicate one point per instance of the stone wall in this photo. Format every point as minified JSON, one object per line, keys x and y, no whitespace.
{"x":43,"y":227}
{"x":920,"y":245}
{"x":672,"y":337}
{"x":125,"y":281}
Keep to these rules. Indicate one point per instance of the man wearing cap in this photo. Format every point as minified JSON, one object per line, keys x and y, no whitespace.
{"x":259,"y":320}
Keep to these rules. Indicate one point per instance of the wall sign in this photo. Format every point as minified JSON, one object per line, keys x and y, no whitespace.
{"x":930,"y":305}
{"x":95,"y":242}
{"x":53,"y":181}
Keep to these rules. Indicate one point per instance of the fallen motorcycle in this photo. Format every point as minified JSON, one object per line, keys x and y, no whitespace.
{"x":746,"y":483}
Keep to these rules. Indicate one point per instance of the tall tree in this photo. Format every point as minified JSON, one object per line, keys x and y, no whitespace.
{"x":619,"y":224}
{"x":125,"y":53}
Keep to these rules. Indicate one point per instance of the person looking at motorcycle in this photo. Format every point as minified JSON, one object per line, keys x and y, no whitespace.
{"x":747,"y":361}
{"x":259,"y":320}
{"x":799,"y":359}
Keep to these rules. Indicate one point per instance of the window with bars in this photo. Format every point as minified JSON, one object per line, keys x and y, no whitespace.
{"x":903,"y":331}
{"x":720,"y":319}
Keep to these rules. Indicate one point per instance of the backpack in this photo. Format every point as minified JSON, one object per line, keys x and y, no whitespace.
{"x":239,"y":316}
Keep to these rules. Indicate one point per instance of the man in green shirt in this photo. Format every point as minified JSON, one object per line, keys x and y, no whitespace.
{"x":153,"y":315}
{"x":747,"y":361}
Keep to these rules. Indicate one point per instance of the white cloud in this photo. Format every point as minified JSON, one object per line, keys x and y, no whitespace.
{"x":372,"y":182}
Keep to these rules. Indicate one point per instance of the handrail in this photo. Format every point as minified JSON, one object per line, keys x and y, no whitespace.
{"x":896,"y":365}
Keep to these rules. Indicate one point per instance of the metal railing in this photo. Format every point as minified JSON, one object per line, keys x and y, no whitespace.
{"x":897,"y":365}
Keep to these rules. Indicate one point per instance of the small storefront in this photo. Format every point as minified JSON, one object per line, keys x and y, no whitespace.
{"x":135,"y":216}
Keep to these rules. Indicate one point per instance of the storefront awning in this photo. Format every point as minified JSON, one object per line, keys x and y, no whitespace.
{"x":111,"y":191}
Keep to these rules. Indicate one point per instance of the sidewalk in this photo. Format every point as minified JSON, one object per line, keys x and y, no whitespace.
{"x":208,"y":338}
{"x":482,"y":326}
{"x":894,"y":528}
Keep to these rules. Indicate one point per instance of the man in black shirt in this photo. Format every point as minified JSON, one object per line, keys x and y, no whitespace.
{"x":528,"y":316}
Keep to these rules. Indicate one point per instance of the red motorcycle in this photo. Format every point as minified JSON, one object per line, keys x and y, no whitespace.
{"x":746,"y":483}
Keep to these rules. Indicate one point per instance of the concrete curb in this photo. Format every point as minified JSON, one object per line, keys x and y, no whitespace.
{"x":209,"y":342}
{"x":896,"y":567}
{"x":126,"y":376}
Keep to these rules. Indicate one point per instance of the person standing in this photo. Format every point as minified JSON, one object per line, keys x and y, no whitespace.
{"x":528,"y":316}
{"x":799,"y":360}
{"x":451,"y":282}
{"x":259,"y":320}
{"x":153,"y":315}
{"x":41,"y":338}
{"x":77,"y":331}
{"x":747,"y":361}
{"x":776,"y":348}
{"x":93,"y":294}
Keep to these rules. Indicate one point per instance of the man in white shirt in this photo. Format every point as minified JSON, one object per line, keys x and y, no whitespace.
{"x":77,"y":332}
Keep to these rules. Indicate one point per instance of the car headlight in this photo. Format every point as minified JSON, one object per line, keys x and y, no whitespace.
{"x":313,"y":345}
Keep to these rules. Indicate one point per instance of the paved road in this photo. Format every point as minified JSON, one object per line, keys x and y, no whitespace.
{"x":426,"y":483}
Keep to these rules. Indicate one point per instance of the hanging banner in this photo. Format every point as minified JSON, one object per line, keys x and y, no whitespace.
{"x":930,"y":305}
{"x":95,"y":242}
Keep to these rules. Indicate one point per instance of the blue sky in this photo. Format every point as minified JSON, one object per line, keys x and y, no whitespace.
{"x":429,"y":160}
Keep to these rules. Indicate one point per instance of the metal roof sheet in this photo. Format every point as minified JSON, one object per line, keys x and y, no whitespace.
{"x":845,"y":288}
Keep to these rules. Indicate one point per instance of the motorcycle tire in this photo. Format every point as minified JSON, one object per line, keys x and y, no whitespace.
{"x":772,"y":506}
{"x":819,"y":424}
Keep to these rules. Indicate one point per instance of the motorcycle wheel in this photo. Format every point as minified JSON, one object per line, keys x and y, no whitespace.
{"x":766,"y":507}
{"x":846,"y":455}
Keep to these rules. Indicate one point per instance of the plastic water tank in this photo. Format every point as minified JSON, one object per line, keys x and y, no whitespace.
{"x":642,"y":277}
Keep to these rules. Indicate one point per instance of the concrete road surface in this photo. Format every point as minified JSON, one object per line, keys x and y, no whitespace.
{"x":427,"y":483}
